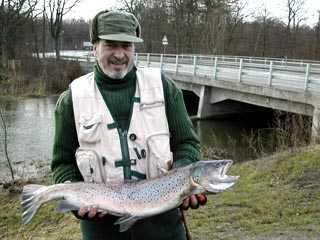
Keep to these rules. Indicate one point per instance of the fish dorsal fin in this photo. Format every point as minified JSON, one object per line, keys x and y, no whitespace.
{"x":126,"y":222}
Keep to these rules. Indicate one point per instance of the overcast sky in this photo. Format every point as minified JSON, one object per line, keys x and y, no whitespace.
{"x":277,"y":8}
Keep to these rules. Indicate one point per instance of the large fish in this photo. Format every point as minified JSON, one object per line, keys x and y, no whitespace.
{"x":132,"y":200}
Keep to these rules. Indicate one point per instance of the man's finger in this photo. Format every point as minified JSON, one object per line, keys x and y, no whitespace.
{"x":82,"y":211}
{"x":202,"y":199}
{"x":169,"y":165}
{"x":185,"y":204}
{"x":194,"y":204}
{"x":92,"y":212}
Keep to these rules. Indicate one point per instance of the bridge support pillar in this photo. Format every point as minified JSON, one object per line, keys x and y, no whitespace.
{"x":205,"y":108}
{"x":315,"y":134}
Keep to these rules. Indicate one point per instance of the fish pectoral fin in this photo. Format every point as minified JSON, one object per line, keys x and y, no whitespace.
{"x":66,"y":206}
{"x":126,"y":222}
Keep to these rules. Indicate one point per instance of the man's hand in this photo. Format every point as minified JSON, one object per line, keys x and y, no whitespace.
{"x":90,"y":213}
{"x":194,"y":201}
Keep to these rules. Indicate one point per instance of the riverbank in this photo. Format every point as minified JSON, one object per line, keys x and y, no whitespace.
{"x":276,"y":198}
{"x":29,"y":77}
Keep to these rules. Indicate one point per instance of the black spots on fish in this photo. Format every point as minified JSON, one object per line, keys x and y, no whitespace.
{"x":163,"y":189}
{"x":157,"y":190}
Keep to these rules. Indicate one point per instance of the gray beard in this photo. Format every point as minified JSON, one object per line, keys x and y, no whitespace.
{"x":114,"y":74}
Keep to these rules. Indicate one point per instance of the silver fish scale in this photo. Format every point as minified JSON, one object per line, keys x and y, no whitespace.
{"x":138,"y":191}
{"x":155,"y":190}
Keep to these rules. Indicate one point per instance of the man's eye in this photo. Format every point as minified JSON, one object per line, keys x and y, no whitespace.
{"x":126,"y":45}
{"x":109,"y":45}
{"x":113,"y":45}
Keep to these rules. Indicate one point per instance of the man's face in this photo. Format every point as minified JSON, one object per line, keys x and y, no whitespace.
{"x":115,"y":58}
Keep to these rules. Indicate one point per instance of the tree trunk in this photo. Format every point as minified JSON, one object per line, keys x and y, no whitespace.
{"x":44,"y":31}
{"x":6,"y":145}
{"x":57,"y":47}
{"x":4,"y":50}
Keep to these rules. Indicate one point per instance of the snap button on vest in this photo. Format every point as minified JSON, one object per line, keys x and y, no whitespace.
{"x":104,"y":160}
{"x":132,"y":137}
{"x":143,"y":153}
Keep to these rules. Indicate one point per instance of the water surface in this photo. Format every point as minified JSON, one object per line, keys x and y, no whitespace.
{"x":30,"y":127}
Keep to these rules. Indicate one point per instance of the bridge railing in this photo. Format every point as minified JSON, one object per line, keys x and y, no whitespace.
{"x":290,"y":75}
{"x":294,"y":75}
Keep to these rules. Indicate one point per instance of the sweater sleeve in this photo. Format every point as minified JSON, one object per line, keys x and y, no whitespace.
{"x":64,"y":166}
{"x":184,"y":141}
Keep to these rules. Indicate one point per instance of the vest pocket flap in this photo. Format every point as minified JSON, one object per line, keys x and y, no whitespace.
{"x":159,"y":152}
{"x":151,"y":105}
{"x":89,"y":120}
{"x":90,"y":165}
{"x":89,"y":129}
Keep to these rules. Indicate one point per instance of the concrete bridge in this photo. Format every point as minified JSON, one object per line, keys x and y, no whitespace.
{"x":282,"y":84}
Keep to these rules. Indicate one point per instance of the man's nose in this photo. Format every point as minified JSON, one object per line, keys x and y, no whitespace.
{"x":119,"y":52}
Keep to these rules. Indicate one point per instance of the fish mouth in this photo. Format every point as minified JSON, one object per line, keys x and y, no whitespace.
{"x":225,"y":169}
{"x":225,"y":181}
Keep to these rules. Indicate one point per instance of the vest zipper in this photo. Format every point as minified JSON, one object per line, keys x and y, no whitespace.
{"x":125,"y":154}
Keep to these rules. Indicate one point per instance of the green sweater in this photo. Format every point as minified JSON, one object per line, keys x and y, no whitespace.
{"x":118,"y":94}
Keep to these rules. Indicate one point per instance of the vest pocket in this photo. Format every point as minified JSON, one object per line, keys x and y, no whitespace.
{"x":160,"y":157}
{"x":89,"y":129}
{"x":90,"y":165}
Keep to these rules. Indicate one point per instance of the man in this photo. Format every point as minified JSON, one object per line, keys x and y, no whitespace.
{"x":122,"y":122}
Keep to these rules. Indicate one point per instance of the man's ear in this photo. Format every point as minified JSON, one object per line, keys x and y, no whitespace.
{"x":94,"y":49}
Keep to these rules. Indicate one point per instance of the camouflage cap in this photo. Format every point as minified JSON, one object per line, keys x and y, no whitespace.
{"x":115,"y":26}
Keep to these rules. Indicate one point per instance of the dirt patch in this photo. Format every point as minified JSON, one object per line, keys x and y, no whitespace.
{"x":287,"y":236}
{"x":310,"y":180}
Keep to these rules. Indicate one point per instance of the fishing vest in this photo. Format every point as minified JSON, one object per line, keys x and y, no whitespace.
{"x":108,"y":153}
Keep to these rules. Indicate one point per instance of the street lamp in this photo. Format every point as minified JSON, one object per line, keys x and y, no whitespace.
{"x":164,"y":43}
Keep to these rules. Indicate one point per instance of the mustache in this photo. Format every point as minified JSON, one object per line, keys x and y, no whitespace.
{"x":118,"y":61}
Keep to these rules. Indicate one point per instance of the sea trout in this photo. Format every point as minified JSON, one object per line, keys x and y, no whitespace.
{"x":132,"y":200}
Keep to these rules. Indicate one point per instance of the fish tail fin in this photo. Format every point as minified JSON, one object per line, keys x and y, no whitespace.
{"x":30,"y":201}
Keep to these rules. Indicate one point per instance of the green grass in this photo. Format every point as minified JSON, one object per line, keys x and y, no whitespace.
{"x":48,"y":224}
{"x":275,"y":198}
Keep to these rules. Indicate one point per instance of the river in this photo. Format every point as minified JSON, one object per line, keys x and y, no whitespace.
{"x":30,"y":128}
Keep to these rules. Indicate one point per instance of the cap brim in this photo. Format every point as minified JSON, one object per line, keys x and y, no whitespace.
{"x":121,"y":38}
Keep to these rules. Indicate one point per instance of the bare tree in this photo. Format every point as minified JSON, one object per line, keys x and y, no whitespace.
{"x":214,"y":29}
{"x":4,"y":126}
{"x":264,"y":23}
{"x":317,"y":44}
{"x":34,"y":27}
{"x":295,"y":11}
{"x":13,"y":14}
{"x":134,"y":6}
{"x":221,"y":20}
{"x":58,"y":9}
{"x":44,"y":25}
{"x":295,"y":15}
{"x":235,"y":17}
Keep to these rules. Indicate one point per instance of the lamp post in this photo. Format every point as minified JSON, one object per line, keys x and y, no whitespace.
{"x":164,"y":43}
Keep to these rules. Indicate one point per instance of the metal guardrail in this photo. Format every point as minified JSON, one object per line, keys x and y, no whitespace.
{"x":285,"y":74}
{"x":277,"y":73}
